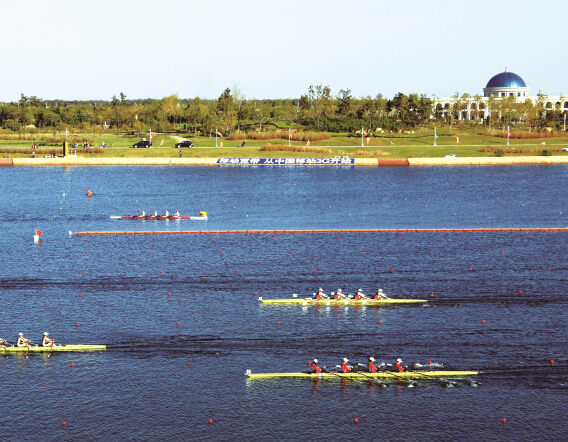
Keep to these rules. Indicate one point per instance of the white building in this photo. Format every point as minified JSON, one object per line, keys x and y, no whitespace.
{"x":503,"y":85}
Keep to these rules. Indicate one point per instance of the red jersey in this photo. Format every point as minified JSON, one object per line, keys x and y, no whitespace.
{"x":399,"y":367}
{"x":315,"y":368}
{"x":371,"y":367}
{"x":345,"y":368}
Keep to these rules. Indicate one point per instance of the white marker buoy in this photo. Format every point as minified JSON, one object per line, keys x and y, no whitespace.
{"x":37,"y":235}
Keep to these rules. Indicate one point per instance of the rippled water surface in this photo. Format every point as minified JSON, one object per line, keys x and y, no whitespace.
{"x":162,"y":381}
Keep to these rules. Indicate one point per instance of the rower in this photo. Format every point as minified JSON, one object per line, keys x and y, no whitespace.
{"x":399,"y":366}
{"x":340,"y":295}
{"x":360,"y":294}
{"x":380,"y":295}
{"x":143,"y":213}
{"x":47,"y":342}
{"x":3,"y":341}
{"x":23,"y":342}
{"x":155,"y":213}
{"x":167,"y":213}
{"x":177,"y":213}
{"x":370,"y":366}
{"x":344,"y":367}
{"x":321,"y":295}
{"x":89,"y":193}
{"x":314,"y":366}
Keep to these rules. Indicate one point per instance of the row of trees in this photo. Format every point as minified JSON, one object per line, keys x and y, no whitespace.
{"x":317,"y":110}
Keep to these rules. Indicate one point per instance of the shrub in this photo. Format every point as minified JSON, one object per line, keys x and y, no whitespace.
{"x":546,"y":153}
{"x":500,"y":153}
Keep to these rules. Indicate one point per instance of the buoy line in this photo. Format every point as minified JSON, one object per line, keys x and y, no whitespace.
{"x":216,"y":232}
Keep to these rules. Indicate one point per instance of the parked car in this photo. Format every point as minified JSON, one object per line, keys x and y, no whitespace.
{"x":185,"y":143}
{"x":143,"y":143}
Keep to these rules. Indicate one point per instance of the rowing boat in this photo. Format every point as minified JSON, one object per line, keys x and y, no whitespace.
{"x":349,"y":301}
{"x":356,"y":375}
{"x":40,"y":348}
{"x":201,"y":217}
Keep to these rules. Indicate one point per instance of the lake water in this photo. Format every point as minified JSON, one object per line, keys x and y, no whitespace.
{"x":163,"y":381}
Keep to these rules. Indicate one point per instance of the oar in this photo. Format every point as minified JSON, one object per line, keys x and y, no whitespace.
{"x":409,"y":382}
{"x":381,"y":383}
{"x":348,"y":378}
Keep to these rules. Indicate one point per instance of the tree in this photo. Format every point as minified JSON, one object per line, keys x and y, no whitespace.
{"x":345,"y":103}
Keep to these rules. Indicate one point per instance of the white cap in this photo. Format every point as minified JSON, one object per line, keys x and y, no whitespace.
{"x":380,"y":290}
{"x":21,"y":334}
{"x":339,"y":290}
{"x":372,"y":359}
{"x":45,"y":333}
{"x":360,"y":290}
{"x":345,"y":360}
{"x":399,"y":360}
{"x":315,"y":361}
{"x":321,"y":290}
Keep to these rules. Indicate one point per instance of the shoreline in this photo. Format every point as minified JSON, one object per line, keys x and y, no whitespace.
{"x":359,"y":162}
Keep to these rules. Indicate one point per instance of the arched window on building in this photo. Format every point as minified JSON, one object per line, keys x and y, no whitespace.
{"x":558,"y":105}
{"x":549,"y":105}
{"x":447,"y":106}
{"x":566,"y":105}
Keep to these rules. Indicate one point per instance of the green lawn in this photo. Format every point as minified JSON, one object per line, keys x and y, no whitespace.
{"x":396,"y":147}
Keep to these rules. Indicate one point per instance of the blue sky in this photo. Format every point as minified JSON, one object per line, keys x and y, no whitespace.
{"x":272,"y":49}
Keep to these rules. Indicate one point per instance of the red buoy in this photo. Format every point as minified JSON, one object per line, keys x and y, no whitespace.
{"x":355,"y":420}
{"x":178,"y":323}
{"x":431,"y":251}
{"x":501,"y":251}
{"x":549,"y":269}
{"x":254,"y":293}
{"x":314,"y":270}
{"x":160,"y":271}
{"x":237,"y":271}
{"x":380,"y":322}
{"x":189,"y":363}
{"x":520,"y":291}
{"x":362,"y":253}
{"x":210,"y":421}
{"x":552,"y":362}
{"x":470,"y":270}
{"x":392,"y":270}
{"x":154,"y":254}
{"x":338,"y":237}
{"x":505,"y":420}
{"x":150,"y":239}
{"x":84,"y":254}
{"x":80,"y":294}
{"x":82,"y":272}
{"x":277,"y":322}
{"x":77,"y":325}
{"x":430,"y":362}
{"x":168,"y":294}
{"x":63,"y":423}
{"x":431,"y":293}
{"x":483,"y":321}
{"x":292,"y":253}
{"x":223,"y":253}
{"x":71,"y":365}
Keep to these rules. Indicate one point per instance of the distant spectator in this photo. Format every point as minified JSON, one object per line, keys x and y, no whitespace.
{"x":180,"y":153}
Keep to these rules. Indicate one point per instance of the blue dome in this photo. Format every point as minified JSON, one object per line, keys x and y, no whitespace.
{"x":506,"y":79}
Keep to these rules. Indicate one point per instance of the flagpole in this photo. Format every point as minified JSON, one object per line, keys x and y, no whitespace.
{"x":66,"y":131}
{"x":290,"y":134}
{"x":508,"y":135}
{"x":215,"y":137}
{"x":564,"y":122}
{"x":362,"y":135}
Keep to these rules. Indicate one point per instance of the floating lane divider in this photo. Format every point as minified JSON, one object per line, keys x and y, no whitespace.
{"x":215,"y":232}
